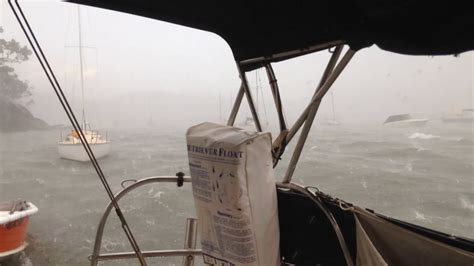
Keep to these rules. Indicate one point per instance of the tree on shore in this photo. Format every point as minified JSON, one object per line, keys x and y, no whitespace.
{"x":12,"y":53}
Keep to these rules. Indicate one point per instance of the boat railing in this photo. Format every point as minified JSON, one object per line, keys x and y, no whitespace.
{"x":188,"y":252}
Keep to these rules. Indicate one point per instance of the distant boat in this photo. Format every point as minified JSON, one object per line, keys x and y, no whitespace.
{"x":14,"y":220}
{"x":405,"y":120}
{"x":249,"y":123}
{"x":71,"y":147}
{"x":465,"y":116}
{"x":332,"y":121}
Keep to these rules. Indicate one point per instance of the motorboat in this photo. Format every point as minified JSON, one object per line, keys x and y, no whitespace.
{"x":14,"y":221}
{"x":315,"y":228}
{"x":405,"y":120}
{"x":465,"y":116}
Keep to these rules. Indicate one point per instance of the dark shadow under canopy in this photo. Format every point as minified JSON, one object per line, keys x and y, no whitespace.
{"x":256,"y":29}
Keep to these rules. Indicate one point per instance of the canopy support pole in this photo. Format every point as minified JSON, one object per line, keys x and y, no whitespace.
{"x":248,"y":95}
{"x":276,"y":95}
{"x":331,"y":73}
{"x":236,"y":106}
{"x":329,"y":68}
{"x":244,"y":90}
{"x":326,"y":82}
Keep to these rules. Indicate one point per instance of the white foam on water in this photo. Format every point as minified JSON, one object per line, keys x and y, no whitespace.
{"x":418,"y":135}
{"x":128,"y":208}
{"x":26,"y":262}
{"x":110,"y":245}
{"x":150,"y":191}
{"x":419,"y":216}
{"x":364,"y":184}
{"x":158,"y":194}
{"x":418,"y":149}
{"x":466,"y":204}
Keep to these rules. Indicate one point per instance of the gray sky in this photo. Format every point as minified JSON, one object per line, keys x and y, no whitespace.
{"x":156,"y":63}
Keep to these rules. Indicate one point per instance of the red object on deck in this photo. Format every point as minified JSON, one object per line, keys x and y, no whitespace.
{"x":12,"y":235}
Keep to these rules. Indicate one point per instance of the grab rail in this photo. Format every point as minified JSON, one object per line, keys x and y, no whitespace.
{"x":187,"y":253}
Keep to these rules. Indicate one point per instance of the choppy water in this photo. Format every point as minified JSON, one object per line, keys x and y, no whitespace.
{"x":421,"y":175}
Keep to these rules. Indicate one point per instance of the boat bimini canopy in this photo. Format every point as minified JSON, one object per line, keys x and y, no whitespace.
{"x":259,"y":32}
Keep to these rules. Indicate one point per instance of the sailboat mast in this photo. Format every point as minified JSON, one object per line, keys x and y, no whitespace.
{"x":333,"y":111}
{"x":81,"y":67}
{"x":220,"y":108}
{"x":256,"y":88}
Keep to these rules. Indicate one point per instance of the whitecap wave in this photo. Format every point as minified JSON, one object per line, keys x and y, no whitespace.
{"x":158,"y":194}
{"x":466,"y":204}
{"x":364,"y":184}
{"x":419,"y":215}
{"x":418,"y":135}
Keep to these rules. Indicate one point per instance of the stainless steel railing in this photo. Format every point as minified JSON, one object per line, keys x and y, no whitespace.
{"x":188,"y":252}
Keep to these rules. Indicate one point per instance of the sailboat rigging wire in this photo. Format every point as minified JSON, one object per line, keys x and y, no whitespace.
{"x":72,"y":118}
{"x":259,"y":85}
{"x":81,"y":67}
{"x":236,"y":105}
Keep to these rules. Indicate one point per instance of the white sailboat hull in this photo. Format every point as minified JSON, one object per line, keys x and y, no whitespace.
{"x":331,"y":123}
{"x":76,"y":152}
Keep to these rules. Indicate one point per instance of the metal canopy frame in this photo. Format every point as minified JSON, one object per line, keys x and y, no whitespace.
{"x":333,"y":69}
{"x":254,"y":63}
{"x":305,"y":120}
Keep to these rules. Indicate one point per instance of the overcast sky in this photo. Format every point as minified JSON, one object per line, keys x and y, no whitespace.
{"x":132,"y":55}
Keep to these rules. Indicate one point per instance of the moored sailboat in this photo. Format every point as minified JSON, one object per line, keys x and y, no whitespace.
{"x":249,"y":122}
{"x":332,"y":121}
{"x":70,"y":147}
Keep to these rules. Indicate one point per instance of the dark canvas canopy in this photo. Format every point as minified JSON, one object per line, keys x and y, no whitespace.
{"x":264,"y":28}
